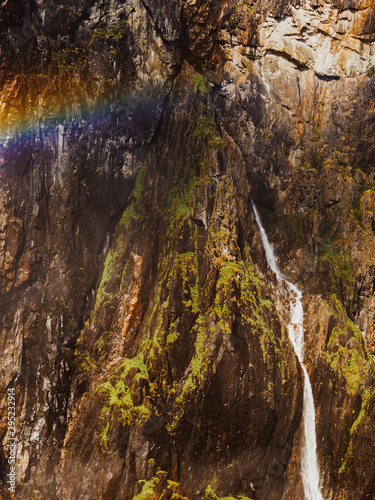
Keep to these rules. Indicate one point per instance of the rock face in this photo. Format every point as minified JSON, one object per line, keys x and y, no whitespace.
{"x":141,"y":328}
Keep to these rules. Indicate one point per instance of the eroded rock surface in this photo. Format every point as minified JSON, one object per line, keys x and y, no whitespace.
{"x":141,"y":327}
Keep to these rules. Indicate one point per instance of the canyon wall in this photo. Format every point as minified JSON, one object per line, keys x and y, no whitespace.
{"x":141,"y":328}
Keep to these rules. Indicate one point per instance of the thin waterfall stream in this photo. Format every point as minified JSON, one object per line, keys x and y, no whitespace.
{"x":309,"y":461}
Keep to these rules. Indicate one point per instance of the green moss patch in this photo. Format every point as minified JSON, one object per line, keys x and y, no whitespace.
{"x":335,"y":257}
{"x":204,"y":288}
{"x":210,"y":494}
{"x":347,"y":355}
{"x":160,"y":487}
{"x":120,"y":389}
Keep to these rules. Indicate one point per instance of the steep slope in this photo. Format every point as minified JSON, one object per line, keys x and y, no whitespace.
{"x":141,"y":327}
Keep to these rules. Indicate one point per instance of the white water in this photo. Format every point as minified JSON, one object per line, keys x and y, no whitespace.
{"x":309,"y":461}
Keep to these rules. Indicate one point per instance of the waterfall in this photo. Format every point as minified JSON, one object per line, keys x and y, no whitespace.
{"x":309,"y":461}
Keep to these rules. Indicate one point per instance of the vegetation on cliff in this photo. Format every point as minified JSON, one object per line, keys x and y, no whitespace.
{"x":140,"y":324}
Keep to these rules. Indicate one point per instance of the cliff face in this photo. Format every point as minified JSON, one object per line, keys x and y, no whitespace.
{"x":141,"y":327}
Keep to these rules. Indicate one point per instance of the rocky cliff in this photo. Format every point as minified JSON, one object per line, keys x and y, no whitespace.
{"x":141,"y":328}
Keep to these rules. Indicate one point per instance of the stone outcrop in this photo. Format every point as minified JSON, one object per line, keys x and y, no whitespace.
{"x":140,"y":325}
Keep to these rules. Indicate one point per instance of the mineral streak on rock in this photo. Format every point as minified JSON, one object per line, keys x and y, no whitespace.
{"x":140,"y":324}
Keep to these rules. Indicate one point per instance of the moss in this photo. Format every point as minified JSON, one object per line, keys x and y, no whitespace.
{"x":186,"y":265}
{"x":104,"y":434}
{"x":180,"y":202}
{"x":70,"y":58}
{"x":210,"y":494}
{"x":176,"y":490}
{"x":230,"y":286}
{"x":36,"y":495}
{"x":110,"y":31}
{"x":315,"y":137}
{"x":151,"y":344}
{"x":100,"y":342}
{"x":119,"y":390}
{"x":203,"y":141}
{"x":160,"y":486}
{"x":239,"y":293}
{"x":357,"y":202}
{"x":266,"y":303}
{"x":351,"y":362}
{"x":110,"y":269}
{"x":200,"y":359}
{"x":199,"y":84}
{"x":300,"y":224}
{"x":114,"y":265}
{"x":132,"y":211}
{"x":366,"y":395}
{"x":87,"y":363}
{"x":148,"y":489}
{"x":177,"y":268}
{"x":127,"y":217}
{"x":173,"y":334}
{"x":139,"y":183}
{"x":335,"y":257}
{"x":238,"y":10}
{"x":205,"y":128}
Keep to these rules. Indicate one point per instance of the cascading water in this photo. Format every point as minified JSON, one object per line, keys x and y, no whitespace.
{"x":309,"y":461}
